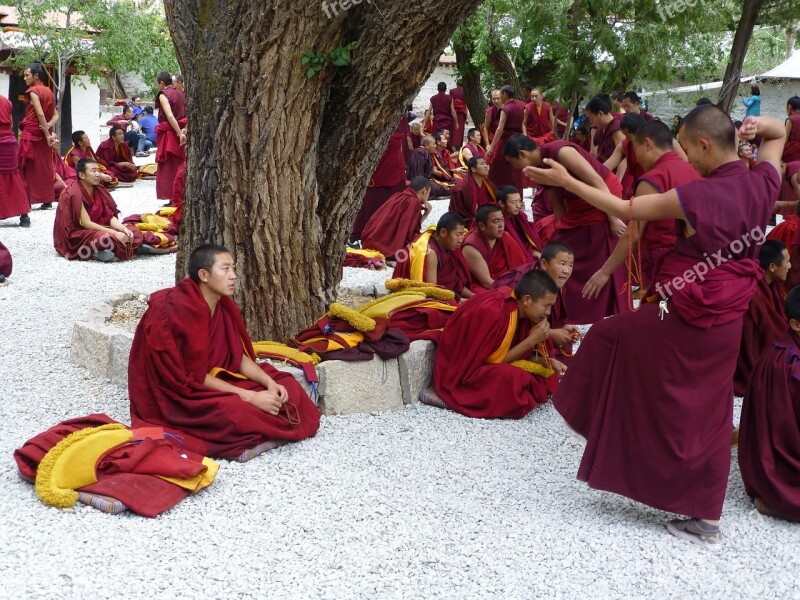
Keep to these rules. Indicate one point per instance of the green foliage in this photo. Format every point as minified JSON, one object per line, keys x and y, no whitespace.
{"x":316,"y":61}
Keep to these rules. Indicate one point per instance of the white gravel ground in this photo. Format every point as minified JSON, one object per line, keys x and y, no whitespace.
{"x":420,"y":503}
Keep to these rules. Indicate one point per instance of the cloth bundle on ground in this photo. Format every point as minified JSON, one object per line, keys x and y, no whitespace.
{"x":158,"y":230}
{"x":364,"y":259}
{"x":103,"y":463}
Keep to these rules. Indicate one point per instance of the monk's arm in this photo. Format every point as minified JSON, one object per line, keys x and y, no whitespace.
{"x":410,"y":142}
{"x":525,"y":122}
{"x":466,"y":293}
{"x":453,"y":111}
{"x":163,"y":104}
{"x":581,"y":168}
{"x":538,"y":334}
{"x":478,"y":267}
{"x":466,"y":153}
{"x":788,"y":129}
{"x":250,"y":369}
{"x":431,"y":267}
{"x":616,"y":158}
{"x":678,"y":149}
{"x":617,"y":136}
{"x":264,"y":401}
{"x":426,"y":210}
{"x":43,"y":123}
{"x":772,"y":138}
{"x":120,"y":235}
{"x":498,"y":133}
{"x":652,"y":207}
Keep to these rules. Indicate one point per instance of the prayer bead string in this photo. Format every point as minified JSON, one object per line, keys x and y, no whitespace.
{"x":631,"y":263}
{"x":542,"y":350}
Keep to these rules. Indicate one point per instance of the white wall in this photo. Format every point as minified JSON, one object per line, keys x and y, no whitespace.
{"x":85,"y":101}
{"x":5,"y":84}
{"x":446,"y":73}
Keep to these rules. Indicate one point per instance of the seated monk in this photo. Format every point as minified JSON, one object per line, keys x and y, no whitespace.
{"x":765,"y":321}
{"x":86,"y":221}
{"x":516,"y":221}
{"x":435,"y":257}
{"x":82,"y":148}
{"x":115,"y":154}
{"x":472,"y":191}
{"x":489,"y":250}
{"x":420,"y":164}
{"x":788,"y":232}
{"x":395,"y":224}
{"x":472,"y":147}
{"x":483,"y":365}
{"x":192,"y":369}
{"x":444,"y":171}
{"x":65,"y":175}
{"x":769,"y":432}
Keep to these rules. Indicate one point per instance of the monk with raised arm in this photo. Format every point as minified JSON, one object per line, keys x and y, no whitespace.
{"x":35,"y":157}
{"x":169,"y":134}
{"x":489,"y":249}
{"x":657,"y":427}
{"x":192,"y":368}
{"x":494,"y":356}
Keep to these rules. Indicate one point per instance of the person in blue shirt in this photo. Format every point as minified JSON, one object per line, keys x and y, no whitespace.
{"x":148,"y":124}
{"x":753,"y":103}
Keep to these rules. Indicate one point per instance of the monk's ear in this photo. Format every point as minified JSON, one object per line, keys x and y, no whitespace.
{"x":795,"y":325}
{"x":202,"y":275}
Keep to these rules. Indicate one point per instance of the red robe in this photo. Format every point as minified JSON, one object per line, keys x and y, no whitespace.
{"x":769,"y":432}
{"x":524,"y":233}
{"x":176,"y":344}
{"x":604,"y":140}
{"x":658,"y":427}
{"x":34,"y":155}
{"x":177,"y":195}
{"x":394,"y":225}
{"x":460,"y":104}
{"x":6,"y":262}
{"x":791,"y":151}
{"x":111,"y":155}
{"x":500,"y":170}
{"x":442,"y":117}
{"x":468,"y":370}
{"x":788,"y":232}
{"x":13,"y":198}
{"x":169,"y":154}
{"x":452,"y":271}
{"x":420,"y":163}
{"x":539,"y":126}
{"x":763,"y":323}
{"x":73,"y":241}
{"x":505,"y":255}
{"x":492,"y":121}
{"x":65,"y":173}
{"x":466,"y":197}
{"x":633,"y":171}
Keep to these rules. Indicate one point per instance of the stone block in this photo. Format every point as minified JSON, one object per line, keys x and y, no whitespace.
{"x":121,"y":342}
{"x":102,"y":350}
{"x":359,"y":387}
{"x":416,"y":369}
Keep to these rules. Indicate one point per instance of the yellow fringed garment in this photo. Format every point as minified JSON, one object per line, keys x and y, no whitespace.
{"x":533,"y":368}
{"x":279,"y":349}
{"x":359,"y":321}
{"x":366,"y":252}
{"x":419,"y":252}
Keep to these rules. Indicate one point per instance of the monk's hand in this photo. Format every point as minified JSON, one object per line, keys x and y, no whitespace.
{"x":617,"y":226}
{"x":539,"y":333}
{"x":553,"y":174}
{"x":105,"y":178}
{"x":595,"y":285}
{"x":559,"y":367}
{"x":121,"y":237}
{"x":266,"y":400}
{"x":280,"y":392}
{"x":560,"y":337}
{"x":749,"y":128}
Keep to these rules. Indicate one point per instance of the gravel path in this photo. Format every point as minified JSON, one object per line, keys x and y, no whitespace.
{"x":420,"y":503}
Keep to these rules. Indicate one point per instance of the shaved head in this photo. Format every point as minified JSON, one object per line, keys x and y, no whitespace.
{"x":711,"y":123}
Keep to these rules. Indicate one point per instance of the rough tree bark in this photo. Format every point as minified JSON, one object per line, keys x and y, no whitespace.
{"x":741,"y":41}
{"x":501,"y":62}
{"x":470,"y":77}
{"x":278,"y":163}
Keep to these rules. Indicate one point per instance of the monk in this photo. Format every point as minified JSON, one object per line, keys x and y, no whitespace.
{"x":472,"y":148}
{"x":630,"y":104}
{"x":607,"y":133}
{"x":622,"y":161}
{"x":395,"y":224}
{"x":460,"y":106}
{"x":444,"y":171}
{"x":792,"y":150}
{"x":488,"y":249}
{"x":192,"y":368}
{"x":13,"y":198}
{"x":663,"y":170}
{"x":124,"y":121}
{"x":483,"y":362}
{"x":435,"y":257}
{"x":169,"y":134}
{"x":587,"y":230}
{"x":769,"y":433}
{"x":765,"y":319}
{"x":82,"y":148}
{"x":87,"y":224}
{"x":442,"y":109}
{"x":657,"y":426}
{"x":388,"y":179}
{"x":413,"y":140}
{"x":512,"y":113}
{"x":35,"y":158}
{"x":472,"y":191}
{"x":788,"y":232}
{"x":790,"y":190}
{"x":421,"y":164}
{"x":516,"y":221}
{"x":115,"y":155}
{"x":537,"y":121}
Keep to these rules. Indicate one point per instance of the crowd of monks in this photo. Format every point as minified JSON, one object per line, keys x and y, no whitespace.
{"x":87,"y":224}
{"x":659,"y":243}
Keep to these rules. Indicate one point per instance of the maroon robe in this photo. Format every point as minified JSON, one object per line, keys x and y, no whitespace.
{"x":460,"y":104}
{"x":111,"y":155}
{"x":657,"y":425}
{"x":523,"y":232}
{"x":501,"y":172}
{"x":539,"y":124}
{"x":394,"y":225}
{"x":769,"y":431}
{"x":421,"y":164}
{"x":791,"y":151}
{"x":169,"y":153}
{"x":505,"y":255}
{"x":177,"y":193}
{"x":604,"y":140}
{"x":388,"y":179}
{"x":452,"y":271}
{"x":34,"y":155}
{"x":763,"y":323}
{"x":585,"y":229}
{"x":6,"y":262}
{"x":442,"y":117}
{"x":65,"y":173}
{"x":176,"y":345}
{"x":13,"y":198}
{"x":73,"y":241}
{"x":461,"y":376}
{"x":492,"y":121}
{"x":466,"y":197}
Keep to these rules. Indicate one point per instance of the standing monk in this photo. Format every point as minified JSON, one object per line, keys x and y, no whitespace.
{"x":511,"y":114}
{"x":537,"y":122}
{"x":36,"y":139}
{"x":472,"y":191}
{"x":115,"y":154}
{"x":442,"y":110}
{"x":171,"y":139}
{"x":193,"y":371}
{"x":492,"y":117}
{"x":13,"y":198}
{"x":607,"y":134}
{"x":460,"y":105}
{"x":630,"y":104}
{"x":791,"y":151}
{"x":657,"y":427}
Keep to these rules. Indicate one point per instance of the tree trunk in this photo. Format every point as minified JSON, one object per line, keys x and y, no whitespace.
{"x":470,"y":77}
{"x":501,"y":62}
{"x":790,"y":34}
{"x":741,"y":41}
{"x":278,"y":163}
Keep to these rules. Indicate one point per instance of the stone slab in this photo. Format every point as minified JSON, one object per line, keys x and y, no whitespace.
{"x":359,"y":387}
{"x":416,"y":369}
